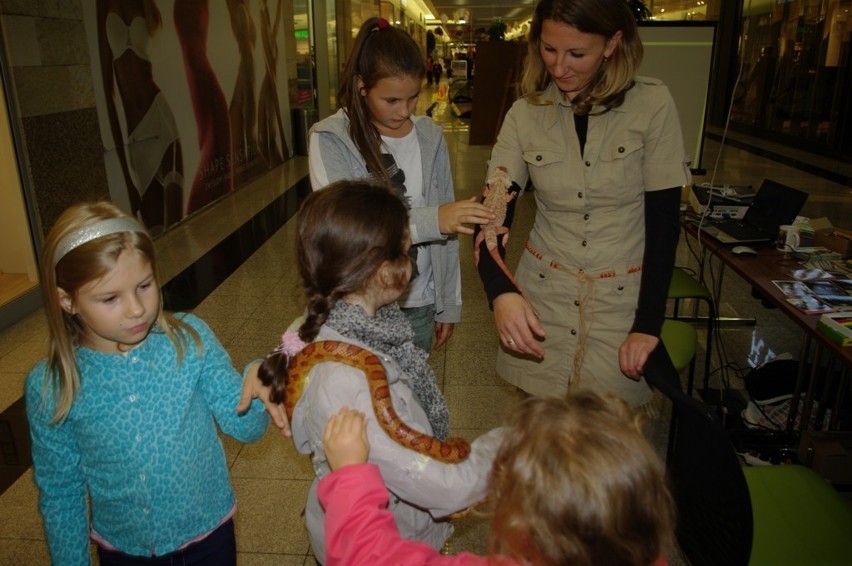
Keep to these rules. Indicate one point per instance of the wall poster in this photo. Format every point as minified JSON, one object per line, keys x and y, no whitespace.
{"x":189,"y":101}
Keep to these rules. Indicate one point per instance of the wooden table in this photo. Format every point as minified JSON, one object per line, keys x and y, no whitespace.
{"x":760,"y":271}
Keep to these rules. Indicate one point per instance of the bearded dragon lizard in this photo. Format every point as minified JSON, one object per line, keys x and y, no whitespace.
{"x":497,"y":195}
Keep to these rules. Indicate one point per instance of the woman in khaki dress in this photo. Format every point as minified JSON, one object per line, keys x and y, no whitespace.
{"x":604,"y":151}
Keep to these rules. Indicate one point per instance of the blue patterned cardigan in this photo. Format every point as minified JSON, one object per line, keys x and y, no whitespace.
{"x":141,"y":444}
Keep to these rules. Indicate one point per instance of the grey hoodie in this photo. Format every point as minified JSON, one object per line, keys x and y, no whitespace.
{"x":334,"y":157}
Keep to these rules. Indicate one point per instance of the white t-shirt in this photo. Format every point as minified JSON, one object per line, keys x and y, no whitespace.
{"x":408,"y":179}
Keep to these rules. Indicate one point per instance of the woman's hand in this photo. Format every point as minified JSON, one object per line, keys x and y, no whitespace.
{"x":453,"y":216}
{"x":518,"y":325}
{"x":345,"y":439}
{"x":634,"y":352}
{"x":253,"y":388}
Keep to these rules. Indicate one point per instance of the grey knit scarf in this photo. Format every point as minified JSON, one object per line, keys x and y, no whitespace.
{"x":390,"y":332}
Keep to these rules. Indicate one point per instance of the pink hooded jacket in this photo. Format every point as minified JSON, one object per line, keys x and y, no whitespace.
{"x":359,"y":529}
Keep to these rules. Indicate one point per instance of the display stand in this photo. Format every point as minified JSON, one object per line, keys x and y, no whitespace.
{"x":497,"y":70}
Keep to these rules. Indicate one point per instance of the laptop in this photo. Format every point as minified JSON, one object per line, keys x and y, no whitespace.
{"x":774,"y":205}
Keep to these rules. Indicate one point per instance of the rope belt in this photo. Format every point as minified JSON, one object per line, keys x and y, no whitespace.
{"x":580,"y":272}
{"x":586,"y":293}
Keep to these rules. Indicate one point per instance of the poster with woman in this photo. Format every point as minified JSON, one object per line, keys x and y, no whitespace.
{"x":184,"y":90}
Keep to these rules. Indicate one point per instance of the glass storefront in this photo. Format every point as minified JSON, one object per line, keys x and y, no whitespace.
{"x":683,"y":10}
{"x":795,"y":72}
{"x":302,"y":89}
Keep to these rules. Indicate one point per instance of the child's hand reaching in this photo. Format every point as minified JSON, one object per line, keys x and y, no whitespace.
{"x":453,"y":216}
{"x":345,"y":439}
{"x":254,"y":388}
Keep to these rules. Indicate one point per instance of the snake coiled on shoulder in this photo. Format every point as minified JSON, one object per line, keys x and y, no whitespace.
{"x":451,"y":451}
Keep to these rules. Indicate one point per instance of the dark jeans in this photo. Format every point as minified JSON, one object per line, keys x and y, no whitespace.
{"x":219,"y":548}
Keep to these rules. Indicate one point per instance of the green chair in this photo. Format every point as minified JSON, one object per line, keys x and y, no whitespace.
{"x":680,"y":340}
{"x":684,"y":285}
{"x":728,"y":514}
{"x":798,"y":517}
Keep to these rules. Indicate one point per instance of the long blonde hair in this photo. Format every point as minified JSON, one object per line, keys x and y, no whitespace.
{"x":82,"y":264}
{"x":576,"y":482}
{"x":601,"y":17}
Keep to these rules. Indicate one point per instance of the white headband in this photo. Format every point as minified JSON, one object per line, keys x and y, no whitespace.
{"x":93,"y":232}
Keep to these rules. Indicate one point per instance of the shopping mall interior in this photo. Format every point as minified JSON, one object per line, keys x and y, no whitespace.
{"x":232,"y":263}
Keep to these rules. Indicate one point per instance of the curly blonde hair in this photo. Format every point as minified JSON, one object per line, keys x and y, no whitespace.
{"x":576,"y":482}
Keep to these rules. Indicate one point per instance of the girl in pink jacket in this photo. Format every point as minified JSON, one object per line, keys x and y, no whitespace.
{"x":574,"y":482}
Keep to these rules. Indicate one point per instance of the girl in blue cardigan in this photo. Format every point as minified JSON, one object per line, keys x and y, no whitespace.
{"x":124,"y":410}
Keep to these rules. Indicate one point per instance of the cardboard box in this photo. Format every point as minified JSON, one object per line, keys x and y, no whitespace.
{"x":733,"y":206}
{"x":828,"y":453}
{"x":836,"y":239}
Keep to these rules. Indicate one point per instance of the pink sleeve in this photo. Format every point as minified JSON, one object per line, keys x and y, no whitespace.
{"x":359,"y":528}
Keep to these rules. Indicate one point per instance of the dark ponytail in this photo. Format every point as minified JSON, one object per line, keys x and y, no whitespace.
{"x":380,"y":51}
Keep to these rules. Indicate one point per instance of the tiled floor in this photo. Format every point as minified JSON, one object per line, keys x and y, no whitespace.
{"x":262,"y":296}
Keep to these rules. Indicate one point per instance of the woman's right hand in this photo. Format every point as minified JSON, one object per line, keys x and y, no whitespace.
{"x":453,"y":216}
{"x":518,"y":325}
